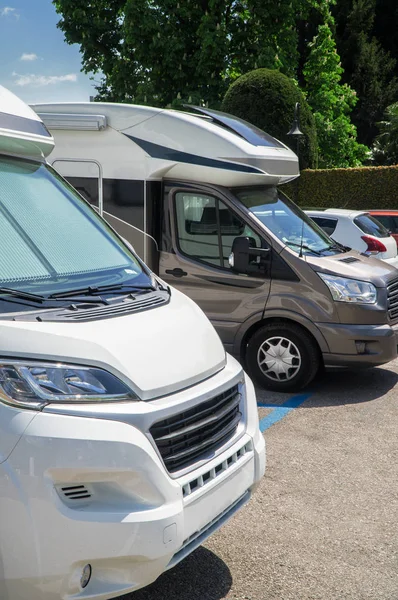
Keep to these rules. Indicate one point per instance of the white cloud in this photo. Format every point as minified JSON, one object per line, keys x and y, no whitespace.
{"x":9,"y":11}
{"x":29,"y":57}
{"x":43,"y":80}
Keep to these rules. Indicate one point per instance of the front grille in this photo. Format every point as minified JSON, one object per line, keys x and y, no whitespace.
{"x":208,"y":476}
{"x":185,"y":437}
{"x":392,"y":297}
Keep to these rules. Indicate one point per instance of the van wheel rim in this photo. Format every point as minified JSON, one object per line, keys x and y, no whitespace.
{"x":279,"y":359}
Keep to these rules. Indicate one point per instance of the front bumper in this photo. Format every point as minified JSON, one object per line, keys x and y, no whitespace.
{"x":137,"y":520}
{"x":359,"y":345}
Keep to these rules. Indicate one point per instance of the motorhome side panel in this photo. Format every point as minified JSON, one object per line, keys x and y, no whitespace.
{"x":123,"y":169}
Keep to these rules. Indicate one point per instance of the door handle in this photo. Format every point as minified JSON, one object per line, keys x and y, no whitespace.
{"x":177,"y":272}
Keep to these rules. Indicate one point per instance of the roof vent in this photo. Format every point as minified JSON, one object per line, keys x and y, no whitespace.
{"x":74,"y":121}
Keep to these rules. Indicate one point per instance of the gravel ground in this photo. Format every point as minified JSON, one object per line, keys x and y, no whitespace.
{"x":323,"y":522}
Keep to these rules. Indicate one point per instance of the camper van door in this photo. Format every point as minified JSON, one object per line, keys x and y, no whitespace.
{"x":196,"y":258}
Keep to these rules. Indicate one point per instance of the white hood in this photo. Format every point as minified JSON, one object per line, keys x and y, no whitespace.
{"x":156,"y":352}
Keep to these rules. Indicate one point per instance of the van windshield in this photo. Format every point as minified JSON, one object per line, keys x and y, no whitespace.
{"x":51,"y":240}
{"x":286,"y":221}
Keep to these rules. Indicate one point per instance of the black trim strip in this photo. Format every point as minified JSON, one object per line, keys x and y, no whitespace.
{"x":16,"y":123}
{"x":162,"y":152}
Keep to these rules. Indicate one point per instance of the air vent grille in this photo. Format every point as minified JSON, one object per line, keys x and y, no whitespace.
{"x":74,"y":494}
{"x":349,"y":259}
{"x":86,"y":312}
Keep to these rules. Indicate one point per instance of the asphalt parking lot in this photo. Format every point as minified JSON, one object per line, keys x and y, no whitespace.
{"x":323,"y":523}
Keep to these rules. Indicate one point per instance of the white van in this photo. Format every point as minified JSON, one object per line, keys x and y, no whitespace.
{"x":127,"y":434}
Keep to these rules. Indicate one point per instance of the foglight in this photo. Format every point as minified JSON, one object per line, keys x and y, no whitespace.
{"x":86,"y":576}
{"x":33,"y":385}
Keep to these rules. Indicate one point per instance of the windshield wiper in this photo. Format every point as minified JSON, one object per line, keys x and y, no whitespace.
{"x":304,"y":247}
{"x":91,"y":290}
{"x":22,"y":295}
{"x":39,"y":299}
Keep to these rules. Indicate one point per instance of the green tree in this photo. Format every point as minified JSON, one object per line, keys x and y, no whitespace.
{"x":173,"y":51}
{"x":385,"y":27}
{"x":267,"y":99}
{"x":368,"y":68}
{"x":385,"y":150}
{"x":331,"y":100}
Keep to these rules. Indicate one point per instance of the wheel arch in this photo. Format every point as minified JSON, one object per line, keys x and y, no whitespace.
{"x":249,"y":328}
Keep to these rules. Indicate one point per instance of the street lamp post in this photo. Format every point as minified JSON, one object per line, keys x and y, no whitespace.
{"x":296,"y":133}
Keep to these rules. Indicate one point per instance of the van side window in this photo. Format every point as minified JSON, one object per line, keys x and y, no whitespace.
{"x":207,"y":228}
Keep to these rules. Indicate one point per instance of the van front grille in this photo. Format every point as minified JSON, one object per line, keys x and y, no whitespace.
{"x":183,"y":438}
{"x":392,"y":296}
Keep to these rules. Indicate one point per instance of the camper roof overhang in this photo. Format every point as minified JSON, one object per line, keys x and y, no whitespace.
{"x":22,"y":133}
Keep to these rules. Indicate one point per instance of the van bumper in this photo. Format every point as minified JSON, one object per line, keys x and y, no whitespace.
{"x":359,"y":345}
{"x":138,"y":522}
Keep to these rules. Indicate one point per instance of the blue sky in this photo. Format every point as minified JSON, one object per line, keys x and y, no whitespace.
{"x":35,"y":62}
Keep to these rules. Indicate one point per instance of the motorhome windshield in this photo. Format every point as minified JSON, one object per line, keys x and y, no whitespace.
{"x":52,"y":241}
{"x":287,"y":221}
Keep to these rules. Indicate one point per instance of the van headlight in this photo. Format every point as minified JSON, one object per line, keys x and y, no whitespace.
{"x":34,"y":384}
{"x":350,"y":290}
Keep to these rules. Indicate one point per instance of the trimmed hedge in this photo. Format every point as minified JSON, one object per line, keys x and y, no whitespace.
{"x":267,"y":98}
{"x":362,"y":188}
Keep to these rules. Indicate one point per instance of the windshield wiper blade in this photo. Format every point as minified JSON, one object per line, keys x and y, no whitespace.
{"x":91,"y":290}
{"x":305,"y":247}
{"x":22,"y":295}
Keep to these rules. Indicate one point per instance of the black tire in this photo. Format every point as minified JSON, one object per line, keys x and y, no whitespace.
{"x":303,"y":354}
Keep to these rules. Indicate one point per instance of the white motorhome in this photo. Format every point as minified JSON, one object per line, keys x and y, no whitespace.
{"x":284,"y":297}
{"x":127,"y":434}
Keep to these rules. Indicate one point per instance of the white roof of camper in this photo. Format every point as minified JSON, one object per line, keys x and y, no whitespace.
{"x":198,"y":146}
{"x":21,"y":130}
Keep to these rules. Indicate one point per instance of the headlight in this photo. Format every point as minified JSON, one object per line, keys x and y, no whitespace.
{"x":350,"y":290}
{"x":33,"y":385}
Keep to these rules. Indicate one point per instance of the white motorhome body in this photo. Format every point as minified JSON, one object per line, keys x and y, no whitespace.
{"x":138,"y":147}
{"x":203,"y":187}
{"x":124,"y":442}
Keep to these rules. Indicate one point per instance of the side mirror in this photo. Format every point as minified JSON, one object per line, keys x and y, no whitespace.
{"x":239,"y":257}
{"x":245,"y":257}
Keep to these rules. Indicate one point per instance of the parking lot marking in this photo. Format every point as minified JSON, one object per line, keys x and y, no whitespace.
{"x":279,"y":412}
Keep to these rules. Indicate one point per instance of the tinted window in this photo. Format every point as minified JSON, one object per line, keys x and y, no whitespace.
{"x":328,"y":225}
{"x":246,"y":130}
{"x":390,"y":222}
{"x":371,"y":226}
{"x":207,"y":228}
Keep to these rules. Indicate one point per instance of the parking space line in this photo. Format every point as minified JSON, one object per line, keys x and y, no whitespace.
{"x":281,"y":411}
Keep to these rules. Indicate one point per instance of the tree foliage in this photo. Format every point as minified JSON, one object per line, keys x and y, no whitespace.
{"x":267,"y":99}
{"x":331,"y":100}
{"x":158,"y":53}
{"x":385,"y":151}
{"x":368,"y":68}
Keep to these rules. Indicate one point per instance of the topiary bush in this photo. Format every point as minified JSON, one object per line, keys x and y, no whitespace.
{"x":267,"y":98}
{"x":362,"y":188}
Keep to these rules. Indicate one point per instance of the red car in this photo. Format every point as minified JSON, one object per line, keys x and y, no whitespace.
{"x":388,"y":218}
